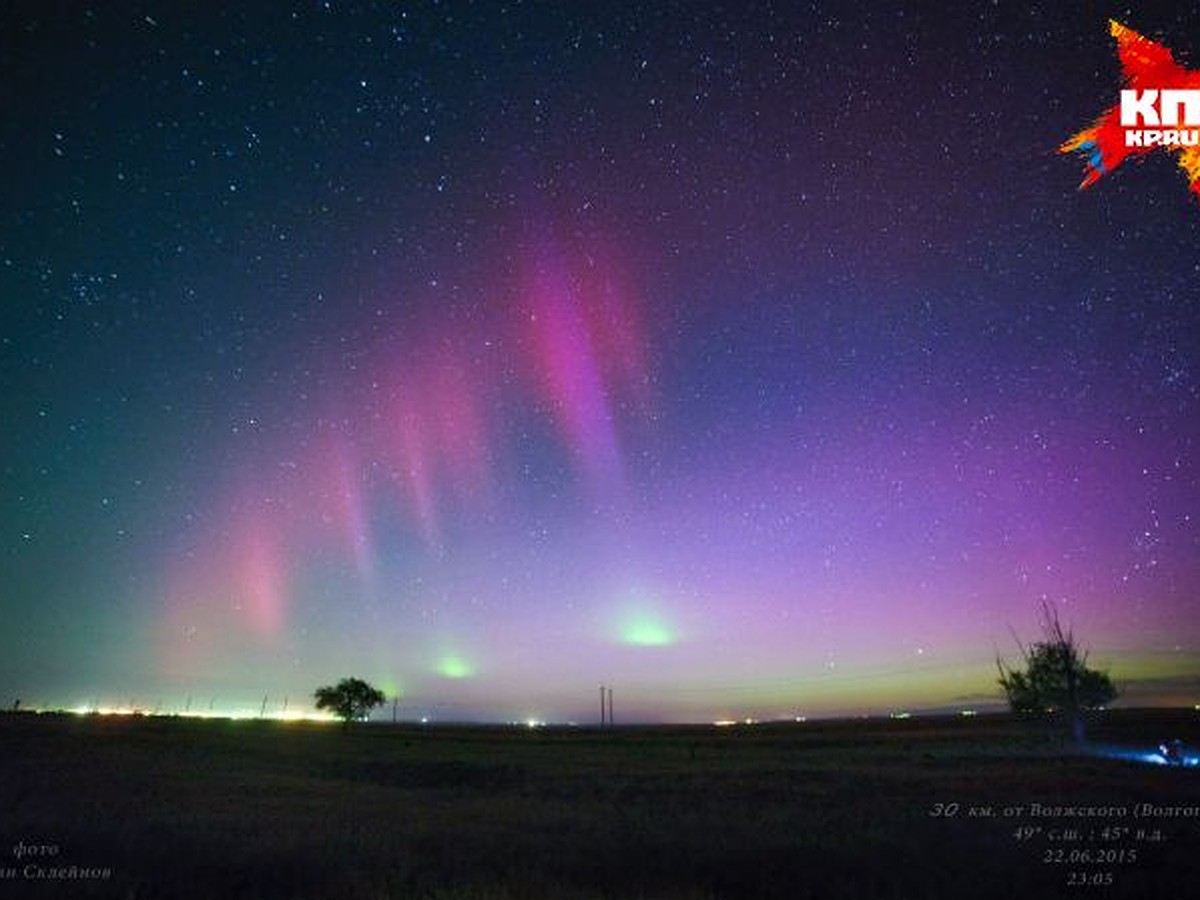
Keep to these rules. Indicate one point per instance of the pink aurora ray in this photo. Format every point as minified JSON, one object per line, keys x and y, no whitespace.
{"x":436,"y":437}
{"x":235,"y":579}
{"x":587,"y":353}
{"x":346,"y":511}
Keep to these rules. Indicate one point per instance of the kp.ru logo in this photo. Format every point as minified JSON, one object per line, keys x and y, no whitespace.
{"x":1160,"y":108}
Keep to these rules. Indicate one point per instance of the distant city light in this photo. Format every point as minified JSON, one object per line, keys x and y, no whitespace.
{"x":243,"y":714}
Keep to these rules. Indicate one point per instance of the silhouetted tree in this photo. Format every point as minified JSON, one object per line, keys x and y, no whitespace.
{"x":1055,"y":677}
{"x":351,"y":699}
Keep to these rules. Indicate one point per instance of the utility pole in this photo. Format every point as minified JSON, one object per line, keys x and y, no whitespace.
{"x":262,"y":713}
{"x":610,"y":707}
{"x":395,"y":704}
{"x":603,"y":713}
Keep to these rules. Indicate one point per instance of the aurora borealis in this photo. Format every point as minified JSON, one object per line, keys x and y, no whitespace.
{"x":753,"y":362}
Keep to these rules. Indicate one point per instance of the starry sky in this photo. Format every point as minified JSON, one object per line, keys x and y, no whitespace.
{"x":754,"y":360}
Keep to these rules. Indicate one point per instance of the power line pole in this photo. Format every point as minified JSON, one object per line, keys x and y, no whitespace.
{"x":603,"y":714}
{"x":610,"y":707}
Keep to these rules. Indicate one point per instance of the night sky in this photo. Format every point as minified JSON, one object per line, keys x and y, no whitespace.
{"x":756,"y":361}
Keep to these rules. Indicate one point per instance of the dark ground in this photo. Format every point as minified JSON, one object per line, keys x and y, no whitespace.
{"x":173,"y":808}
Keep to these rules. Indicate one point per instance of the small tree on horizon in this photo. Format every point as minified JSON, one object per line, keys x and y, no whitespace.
{"x":351,"y":699}
{"x":1056,"y":677}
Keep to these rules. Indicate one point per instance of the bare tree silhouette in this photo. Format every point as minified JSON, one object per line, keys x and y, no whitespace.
{"x":1055,"y":677}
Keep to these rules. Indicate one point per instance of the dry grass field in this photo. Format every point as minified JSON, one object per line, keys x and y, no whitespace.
{"x":922,"y":808}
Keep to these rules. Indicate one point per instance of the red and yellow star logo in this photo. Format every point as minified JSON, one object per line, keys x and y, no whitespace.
{"x":1157,"y":90}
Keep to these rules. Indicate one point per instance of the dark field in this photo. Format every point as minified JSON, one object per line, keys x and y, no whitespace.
{"x":189,"y":809}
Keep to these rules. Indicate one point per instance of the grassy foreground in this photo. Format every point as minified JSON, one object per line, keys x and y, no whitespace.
{"x":923,"y":808}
